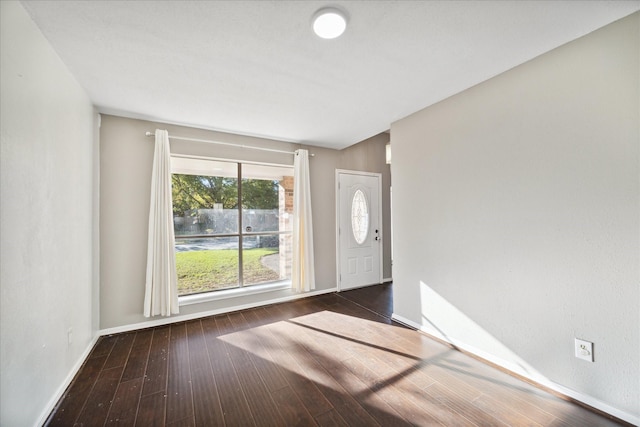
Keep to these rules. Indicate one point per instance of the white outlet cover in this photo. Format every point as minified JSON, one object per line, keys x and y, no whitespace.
{"x":584,"y":350}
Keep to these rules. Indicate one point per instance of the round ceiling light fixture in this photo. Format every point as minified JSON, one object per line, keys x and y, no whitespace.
{"x":329,"y":23}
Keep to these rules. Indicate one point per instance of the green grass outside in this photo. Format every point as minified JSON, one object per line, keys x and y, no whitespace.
{"x":202,"y":271}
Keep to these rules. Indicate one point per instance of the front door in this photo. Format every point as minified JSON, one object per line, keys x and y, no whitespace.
{"x":359,"y":233}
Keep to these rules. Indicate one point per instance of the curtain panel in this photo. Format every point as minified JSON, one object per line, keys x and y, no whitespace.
{"x":302,"y":268}
{"x":161,"y":288}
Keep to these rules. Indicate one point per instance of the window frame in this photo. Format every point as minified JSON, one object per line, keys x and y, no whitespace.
{"x":241,"y":289}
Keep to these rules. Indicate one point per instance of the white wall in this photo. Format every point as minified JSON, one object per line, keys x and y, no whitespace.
{"x":516,"y":216}
{"x":126,"y":158}
{"x":46,"y":171}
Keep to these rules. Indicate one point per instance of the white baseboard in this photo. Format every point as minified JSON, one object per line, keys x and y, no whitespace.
{"x":575,"y":395}
{"x":67,"y":381}
{"x":192,"y":316}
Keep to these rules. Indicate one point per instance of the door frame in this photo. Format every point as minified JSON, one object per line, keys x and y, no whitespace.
{"x":337,"y":213}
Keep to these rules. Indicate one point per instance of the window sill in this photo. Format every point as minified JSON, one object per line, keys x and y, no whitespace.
{"x":233,"y":293}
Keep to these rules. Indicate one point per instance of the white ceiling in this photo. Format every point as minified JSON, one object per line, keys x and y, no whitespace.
{"x":256,"y":68}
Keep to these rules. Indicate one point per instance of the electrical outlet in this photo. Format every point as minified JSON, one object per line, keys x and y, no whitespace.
{"x":69,"y":336}
{"x":584,"y":350}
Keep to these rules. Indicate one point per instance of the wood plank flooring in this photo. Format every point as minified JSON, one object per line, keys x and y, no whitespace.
{"x":331,"y":360}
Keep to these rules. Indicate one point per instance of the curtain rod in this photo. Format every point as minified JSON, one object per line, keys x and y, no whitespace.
{"x":227,"y":143}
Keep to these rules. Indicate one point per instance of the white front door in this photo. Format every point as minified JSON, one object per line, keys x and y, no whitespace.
{"x":359,"y":233}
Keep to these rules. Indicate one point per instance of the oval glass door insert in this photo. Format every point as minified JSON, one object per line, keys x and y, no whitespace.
{"x":359,"y":217}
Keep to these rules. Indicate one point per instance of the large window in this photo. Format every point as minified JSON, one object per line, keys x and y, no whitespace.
{"x":232,"y":223}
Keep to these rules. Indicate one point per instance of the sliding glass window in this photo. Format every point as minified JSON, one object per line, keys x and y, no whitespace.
{"x":220,"y":207}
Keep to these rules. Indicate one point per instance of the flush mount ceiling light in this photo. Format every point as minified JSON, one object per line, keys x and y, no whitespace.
{"x":329,"y":23}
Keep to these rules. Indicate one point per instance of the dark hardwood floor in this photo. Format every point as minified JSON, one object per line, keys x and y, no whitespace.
{"x":331,"y":360}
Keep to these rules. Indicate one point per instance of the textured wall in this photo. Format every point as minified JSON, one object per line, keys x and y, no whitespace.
{"x":516,"y":216}
{"x":46,"y":169}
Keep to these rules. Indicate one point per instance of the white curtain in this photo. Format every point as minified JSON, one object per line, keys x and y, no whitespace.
{"x":302,"y":270}
{"x":161,"y":293}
